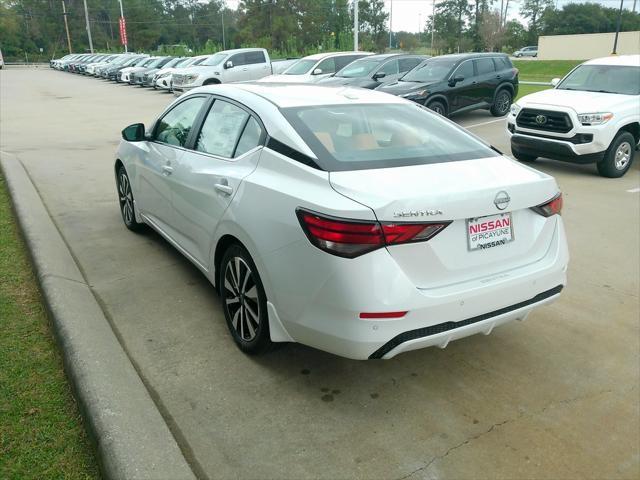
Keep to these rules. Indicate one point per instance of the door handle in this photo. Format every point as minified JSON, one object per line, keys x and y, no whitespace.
{"x":474,"y":83}
{"x":225,"y":189}
{"x":498,"y":76}
{"x":167,"y":170}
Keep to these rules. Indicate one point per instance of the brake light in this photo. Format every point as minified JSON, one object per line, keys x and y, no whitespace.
{"x":552,"y":207}
{"x":352,"y":238}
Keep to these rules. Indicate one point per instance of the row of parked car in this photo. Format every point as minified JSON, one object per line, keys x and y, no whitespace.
{"x":479,"y":80}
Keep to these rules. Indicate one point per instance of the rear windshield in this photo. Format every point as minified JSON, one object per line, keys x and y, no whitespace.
{"x":366,"y":136}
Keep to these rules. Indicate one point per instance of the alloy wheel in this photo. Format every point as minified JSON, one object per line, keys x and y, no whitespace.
{"x":623,"y":155}
{"x":503,"y":102}
{"x":126,"y":198}
{"x":241,"y":299}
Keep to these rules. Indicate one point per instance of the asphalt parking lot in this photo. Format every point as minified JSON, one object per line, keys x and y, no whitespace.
{"x":556,"y":396}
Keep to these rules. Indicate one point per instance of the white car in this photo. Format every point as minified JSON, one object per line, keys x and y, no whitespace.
{"x":163,"y":79}
{"x":349,"y":220}
{"x":126,"y":73}
{"x":313,"y":68}
{"x":591,"y":116}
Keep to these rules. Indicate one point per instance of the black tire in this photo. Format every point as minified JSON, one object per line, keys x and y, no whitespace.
{"x":501,"y":103}
{"x":244,"y":301}
{"x":438,"y":107}
{"x":523,"y":157}
{"x":211,"y":81}
{"x":125,"y":200}
{"x":618,"y":157}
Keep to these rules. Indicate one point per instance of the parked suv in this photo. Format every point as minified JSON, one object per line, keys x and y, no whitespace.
{"x":591,"y":116}
{"x":459,"y":83}
{"x":374,"y":70}
{"x":526,"y":52}
{"x":225,"y":67}
{"x":313,"y":68}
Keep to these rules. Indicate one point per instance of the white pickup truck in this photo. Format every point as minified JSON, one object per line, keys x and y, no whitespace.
{"x":228,"y":66}
{"x":591,"y":116}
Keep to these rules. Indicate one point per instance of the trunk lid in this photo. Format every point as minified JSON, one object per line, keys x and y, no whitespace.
{"x":456,"y":192}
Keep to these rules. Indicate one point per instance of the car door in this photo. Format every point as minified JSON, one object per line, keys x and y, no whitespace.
{"x":209,"y":175}
{"x":486,"y":78}
{"x":168,"y":139}
{"x":462,"y":94}
{"x":257,"y":66}
{"x":239,"y":71}
{"x":390,"y":70}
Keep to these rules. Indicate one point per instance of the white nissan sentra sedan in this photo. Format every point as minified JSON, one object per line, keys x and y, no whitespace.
{"x":349,"y":220}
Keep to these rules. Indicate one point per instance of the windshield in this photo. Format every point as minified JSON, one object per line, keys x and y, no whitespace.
{"x":156,"y":62}
{"x":213,"y":60}
{"x":359,"y":68}
{"x":624,"y":80}
{"x":430,"y":71}
{"x":174,"y":62}
{"x":366,"y":136}
{"x":300,"y":67}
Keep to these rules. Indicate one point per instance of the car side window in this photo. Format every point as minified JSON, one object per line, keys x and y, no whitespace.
{"x":390,"y":68}
{"x":485,"y":66}
{"x":250,"y":137}
{"x":328,"y":65}
{"x":221,"y":129}
{"x":175,"y":126}
{"x":254,"y":57}
{"x":465,"y":69}
{"x":406,"y":64}
{"x":238,"y":59}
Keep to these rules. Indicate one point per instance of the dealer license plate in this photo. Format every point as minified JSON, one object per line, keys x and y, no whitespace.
{"x":489,"y":232}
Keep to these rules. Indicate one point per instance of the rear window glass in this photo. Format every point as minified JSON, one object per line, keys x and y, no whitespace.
{"x":357,"y":137}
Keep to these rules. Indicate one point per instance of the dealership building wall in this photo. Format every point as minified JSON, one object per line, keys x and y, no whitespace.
{"x":586,"y":46}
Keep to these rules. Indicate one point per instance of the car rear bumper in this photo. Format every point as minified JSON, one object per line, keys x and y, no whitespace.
{"x":330,"y":319}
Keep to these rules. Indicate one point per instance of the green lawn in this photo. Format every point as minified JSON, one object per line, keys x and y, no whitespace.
{"x":527,"y":89}
{"x":544,"y":70}
{"x":41,"y":432}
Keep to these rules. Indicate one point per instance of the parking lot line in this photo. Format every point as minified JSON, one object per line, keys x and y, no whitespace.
{"x":485,"y":123}
{"x":634,"y":190}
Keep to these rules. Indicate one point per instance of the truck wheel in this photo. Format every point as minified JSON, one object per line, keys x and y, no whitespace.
{"x":618,"y":157}
{"x":523,"y":157}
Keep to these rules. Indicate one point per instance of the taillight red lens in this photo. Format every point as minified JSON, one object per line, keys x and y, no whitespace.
{"x":352,"y":238}
{"x":552,"y":207}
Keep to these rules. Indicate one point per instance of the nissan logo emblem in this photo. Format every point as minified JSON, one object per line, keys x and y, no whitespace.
{"x":502,"y":200}
{"x":541,"y":119}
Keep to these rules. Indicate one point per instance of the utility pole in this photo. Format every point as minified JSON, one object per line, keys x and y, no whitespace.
{"x":433,"y":22}
{"x":66,"y":25}
{"x":86,"y":17}
{"x":634,"y":6}
{"x":355,"y":25}
{"x":390,"y":23}
{"x":224,"y":45}
{"x":615,"y":42}
{"x":126,"y":49}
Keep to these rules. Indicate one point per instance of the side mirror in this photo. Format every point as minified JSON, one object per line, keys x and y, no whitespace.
{"x":555,"y":81}
{"x":228,"y":64}
{"x":456,"y":79}
{"x":378,"y":75}
{"x":134,"y":133}
{"x":317,"y":71}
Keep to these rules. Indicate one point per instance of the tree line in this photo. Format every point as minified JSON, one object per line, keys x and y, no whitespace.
{"x":34,"y":29}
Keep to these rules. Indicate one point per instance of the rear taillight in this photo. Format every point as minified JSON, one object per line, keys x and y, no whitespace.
{"x":352,"y":238}
{"x":552,"y":207}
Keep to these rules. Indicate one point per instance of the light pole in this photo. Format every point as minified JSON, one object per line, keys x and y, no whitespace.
{"x":224,"y":45}
{"x":433,"y":22}
{"x":390,"y":23}
{"x":615,"y":41}
{"x":66,"y":25}
{"x":126,"y":49}
{"x":86,"y":17}
{"x":355,"y":25}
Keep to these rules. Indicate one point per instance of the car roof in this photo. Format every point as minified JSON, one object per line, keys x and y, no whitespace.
{"x":618,"y":60}
{"x":386,"y":56}
{"x":285,"y":95}
{"x":320,"y":56}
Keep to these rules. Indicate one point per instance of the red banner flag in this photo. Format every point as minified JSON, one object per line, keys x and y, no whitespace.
{"x":123,"y":31}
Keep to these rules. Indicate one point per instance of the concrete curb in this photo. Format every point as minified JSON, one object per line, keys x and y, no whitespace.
{"x":132,"y":438}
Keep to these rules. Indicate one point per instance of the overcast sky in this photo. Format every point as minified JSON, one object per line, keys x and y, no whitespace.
{"x":411,"y":15}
